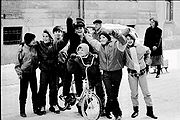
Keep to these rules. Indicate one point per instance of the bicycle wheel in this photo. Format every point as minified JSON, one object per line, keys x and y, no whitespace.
{"x":61,"y":99}
{"x":91,"y":107}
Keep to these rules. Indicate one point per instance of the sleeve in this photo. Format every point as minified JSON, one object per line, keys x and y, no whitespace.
{"x":93,"y":42}
{"x":18,"y":63}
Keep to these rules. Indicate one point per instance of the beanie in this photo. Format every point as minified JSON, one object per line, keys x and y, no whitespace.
{"x":106,"y":35}
{"x":79,"y":23}
{"x":85,"y":49}
{"x":28,"y":37}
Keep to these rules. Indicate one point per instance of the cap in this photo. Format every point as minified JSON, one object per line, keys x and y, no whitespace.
{"x":97,"y":21}
{"x":106,"y":35}
{"x":28,"y":37}
{"x":79,"y":23}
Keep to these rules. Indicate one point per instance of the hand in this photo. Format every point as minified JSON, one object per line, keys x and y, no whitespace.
{"x":154,"y":48}
{"x":20,"y":77}
{"x":73,"y":56}
{"x":126,"y":31}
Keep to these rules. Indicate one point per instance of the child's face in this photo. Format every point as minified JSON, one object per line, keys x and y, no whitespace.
{"x":81,"y":52}
{"x":79,"y":31}
{"x":130,"y":41}
{"x":103,"y":40}
{"x":97,"y":26}
{"x":58,"y":35}
{"x":46,"y":38}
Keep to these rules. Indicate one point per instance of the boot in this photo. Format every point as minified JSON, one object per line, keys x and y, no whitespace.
{"x":108,"y":114}
{"x":22,"y":110}
{"x":150,"y":112}
{"x":136,"y":111}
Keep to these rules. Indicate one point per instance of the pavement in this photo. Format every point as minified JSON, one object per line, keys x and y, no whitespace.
{"x":165,"y":93}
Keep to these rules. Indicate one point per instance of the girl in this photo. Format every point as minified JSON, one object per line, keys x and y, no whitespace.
{"x":136,"y":57}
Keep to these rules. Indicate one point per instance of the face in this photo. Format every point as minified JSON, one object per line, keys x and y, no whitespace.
{"x":97,"y":26}
{"x":103,"y":40}
{"x":152,"y":23}
{"x":58,"y":35}
{"x":80,"y":51}
{"x":79,"y":30}
{"x":130,"y":41}
{"x":46,"y":38}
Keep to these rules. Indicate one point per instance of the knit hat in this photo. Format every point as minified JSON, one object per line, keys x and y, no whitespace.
{"x":85,"y":49}
{"x":97,"y":21}
{"x":106,"y":35}
{"x":28,"y":37}
{"x":79,"y":23}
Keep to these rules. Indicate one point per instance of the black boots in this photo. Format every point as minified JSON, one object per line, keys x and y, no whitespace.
{"x":150,"y":112}
{"x":136,"y":111}
{"x":22,"y":110}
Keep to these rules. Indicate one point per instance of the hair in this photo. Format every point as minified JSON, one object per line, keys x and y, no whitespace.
{"x":28,"y":37}
{"x":132,"y":37}
{"x":106,"y":35}
{"x":156,"y":22}
{"x":57,"y":28}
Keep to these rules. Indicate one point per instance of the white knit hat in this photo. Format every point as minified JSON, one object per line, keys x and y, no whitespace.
{"x":84,"y":51}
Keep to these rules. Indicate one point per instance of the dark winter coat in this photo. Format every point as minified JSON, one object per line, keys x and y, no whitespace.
{"x":153,"y":37}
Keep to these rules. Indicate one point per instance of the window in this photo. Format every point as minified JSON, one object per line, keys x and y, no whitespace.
{"x":12,"y":35}
{"x":169,"y":10}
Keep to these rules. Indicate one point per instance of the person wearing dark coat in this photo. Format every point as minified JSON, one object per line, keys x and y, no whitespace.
{"x":48,"y":56}
{"x":153,"y":40}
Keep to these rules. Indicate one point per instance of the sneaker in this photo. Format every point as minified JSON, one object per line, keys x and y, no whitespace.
{"x":43,"y":110}
{"x":23,"y":115}
{"x":55,"y":109}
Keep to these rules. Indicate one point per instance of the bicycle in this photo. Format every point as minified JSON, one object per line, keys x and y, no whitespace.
{"x":90,"y":103}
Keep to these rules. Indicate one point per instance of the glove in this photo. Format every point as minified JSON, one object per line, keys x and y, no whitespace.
{"x":126,"y":31}
{"x":73,"y":56}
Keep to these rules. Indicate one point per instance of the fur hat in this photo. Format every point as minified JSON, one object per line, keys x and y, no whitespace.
{"x":85,"y":49}
{"x":28,"y":37}
{"x":106,"y":35}
{"x":97,"y":21}
{"x":79,"y":23}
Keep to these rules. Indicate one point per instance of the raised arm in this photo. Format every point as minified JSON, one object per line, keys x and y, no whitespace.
{"x":93,"y":42}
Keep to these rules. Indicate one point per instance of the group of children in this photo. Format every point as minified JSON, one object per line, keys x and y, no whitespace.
{"x":114,"y":50}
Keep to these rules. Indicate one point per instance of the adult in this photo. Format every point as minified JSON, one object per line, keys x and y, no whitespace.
{"x":153,"y":40}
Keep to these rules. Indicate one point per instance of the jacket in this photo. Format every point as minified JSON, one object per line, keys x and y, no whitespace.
{"x":48,"y":53}
{"x":112,"y":55}
{"x":153,"y":38}
{"x":27,"y":60}
{"x":143,"y":54}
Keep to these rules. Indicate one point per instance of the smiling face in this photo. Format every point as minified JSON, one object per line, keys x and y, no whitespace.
{"x":58,"y":35}
{"x":103,"y":39}
{"x":79,"y":31}
{"x":97,"y":26}
{"x":130,"y":41}
{"x":46,"y":38}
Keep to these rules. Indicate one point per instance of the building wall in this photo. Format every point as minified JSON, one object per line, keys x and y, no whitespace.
{"x":35,"y":15}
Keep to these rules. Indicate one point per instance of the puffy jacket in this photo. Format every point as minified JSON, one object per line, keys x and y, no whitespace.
{"x":27,"y":60}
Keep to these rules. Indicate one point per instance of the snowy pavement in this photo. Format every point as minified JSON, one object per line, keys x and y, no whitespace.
{"x":165,"y":93}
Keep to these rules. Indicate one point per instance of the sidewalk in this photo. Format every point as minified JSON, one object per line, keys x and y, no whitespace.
{"x":165,"y":93}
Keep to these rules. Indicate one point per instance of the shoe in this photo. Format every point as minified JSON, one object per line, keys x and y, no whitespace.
{"x":150,"y":112}
{"x":42,"y":110}
{"x":79,"y":109}
{"x":38,"y":112}
{"x":157,"y":76}
{"x":136,"y":111}
{"x":103,"y":113}
{"x":23,"y":115}
{"x":118,"y":118}
{"x":55,"y":109}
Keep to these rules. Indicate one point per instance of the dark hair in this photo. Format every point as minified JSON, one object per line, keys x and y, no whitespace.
{"x":28,"y":37}
{"x":130,"y":36}
{"x":155,"y":21}
{"x":57,"y":28}
{"x":48,"y":32}
{"x":106,"y":35}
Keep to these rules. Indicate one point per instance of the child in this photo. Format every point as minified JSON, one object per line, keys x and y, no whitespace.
{"x":27,"y":62}
{"x":136,"y":57}
{"x":111,"y":52}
